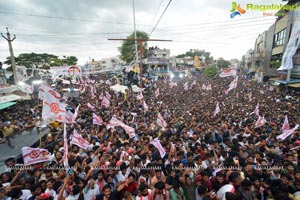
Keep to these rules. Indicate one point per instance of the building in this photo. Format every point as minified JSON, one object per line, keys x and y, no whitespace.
{"x":282,"y":33}
{"x":248,"y":59}
{"x":158,"y":61}
{"x":270,"y":45}
{"x":105,"y":63}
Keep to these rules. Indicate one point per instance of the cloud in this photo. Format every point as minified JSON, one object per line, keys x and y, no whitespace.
{"x":81,"y":28}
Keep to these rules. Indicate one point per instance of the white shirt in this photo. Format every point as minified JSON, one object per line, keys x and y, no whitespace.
{"x":221,"y":194}
{"x":121,"y":177}
{"x":51,"y":192}
{"x":91,"y":193}
{"x":26,"y":194}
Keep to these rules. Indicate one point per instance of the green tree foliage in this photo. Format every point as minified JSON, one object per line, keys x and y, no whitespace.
{"x":40,"y":61}
{"x":66,"y":60}
{"x":223,"y":63}
{"x":200,"y":53}
{"x":210,"y":71}
{"x":127,"y":49}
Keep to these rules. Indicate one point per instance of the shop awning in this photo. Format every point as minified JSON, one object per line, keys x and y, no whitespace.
{"x":295,"y":85}
{"x":6,"y":105}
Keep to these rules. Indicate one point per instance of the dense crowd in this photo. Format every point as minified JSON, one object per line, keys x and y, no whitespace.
{"x":207,"y":157}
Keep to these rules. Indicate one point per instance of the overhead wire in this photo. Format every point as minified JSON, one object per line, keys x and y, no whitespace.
{"x":160,"y":17}
{"x":155,"y":15}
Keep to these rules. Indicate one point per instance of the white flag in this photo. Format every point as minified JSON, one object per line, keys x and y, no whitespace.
{"x":97,"y":120}
{"x":160,"y":121}
{"x":186,"y":86}
{"x":35,"y":155}
{"x":256,"y":110}
{"x":139,"y":96}
{"x":285,"y":125}
{"x":115,"y":122}
{"x":233,"y":84}
{"x":160,"y":148}
{"x":66,"y":152}
{"x":52,"y":108}
{"x":208,"y":87}
{"x":78,"y":140}
{"x":44,"y":87}
{"x":260,"y":121}
{"x":145,"y":106}
{"x":287,"y":133}
{"x":217,"y":110}
{"x":157,"y":93}
{"x":90,"y":106}
{"x":105,"y":102}
{"x":232,"y":71}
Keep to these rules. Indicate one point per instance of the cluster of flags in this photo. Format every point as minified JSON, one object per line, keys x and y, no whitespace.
{"x":206,"y":87}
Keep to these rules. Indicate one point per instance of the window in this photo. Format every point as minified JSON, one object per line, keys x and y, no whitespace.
{"x":279,"y":38}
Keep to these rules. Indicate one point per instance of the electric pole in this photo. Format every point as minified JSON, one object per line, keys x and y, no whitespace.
{"x":11,"y":51}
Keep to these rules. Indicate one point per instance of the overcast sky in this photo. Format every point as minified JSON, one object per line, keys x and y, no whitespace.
{"x":81,"y":27}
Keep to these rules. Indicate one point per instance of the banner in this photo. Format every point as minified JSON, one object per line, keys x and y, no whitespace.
{"x":291,"y":48}
{"x":228,"y":72}
{"x":34,"y":155}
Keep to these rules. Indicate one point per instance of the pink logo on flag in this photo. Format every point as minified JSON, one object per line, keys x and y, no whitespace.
{"x":78,"y":140}
{"x":35,"y":155}
{"x":260,"y":122}
{"x":52,"y":108}
{"x":285,"y":125}
{"x":229,"y":72}
{"x":97,"y":120}
{"x":287,"y":133}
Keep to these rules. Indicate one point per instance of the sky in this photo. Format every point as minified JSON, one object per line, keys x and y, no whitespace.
{"x":81,"y":27}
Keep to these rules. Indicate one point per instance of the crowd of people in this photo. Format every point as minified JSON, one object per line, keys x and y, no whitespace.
{"x":207,"y":157}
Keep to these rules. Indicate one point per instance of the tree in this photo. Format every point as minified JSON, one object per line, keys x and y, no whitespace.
{"x":66,"y":60}
{"x":40,"y":61}
{"x":200,"y":53}
{"x":223,"y":63}
{"x":127,"y":49}
{"x":210,"y":71}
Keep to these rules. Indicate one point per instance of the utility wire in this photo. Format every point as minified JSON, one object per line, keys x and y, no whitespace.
{"x":160,"y":17}
{"x":64,"y":18}
{"x":155,"y":15}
